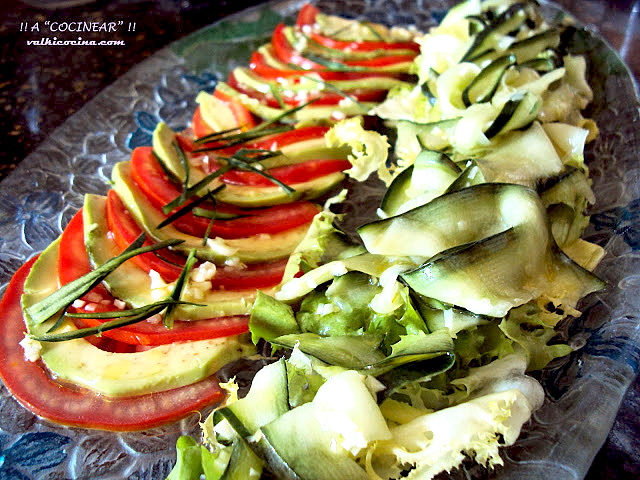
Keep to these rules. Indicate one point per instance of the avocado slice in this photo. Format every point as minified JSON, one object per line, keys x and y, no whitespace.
{"x":122,"y":374}
{"x":247,"y":196}
{"x":244,"y":76}
{"x":257,"y":248}
{"x":131,"y":284}
{"x":317,"y":114}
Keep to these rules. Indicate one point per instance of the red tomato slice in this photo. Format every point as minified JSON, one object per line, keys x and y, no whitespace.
{"x":369,"y":46}
{"x":268,"y":142}
{"x":325,"y":98}
{"x":148,"y":175}
{"x":125,"y":230}
{"x":280,"y":140}
{"x":32,"y":386}
{"x":146,"y":333}
{"x":73,"y":261}
{"x":259,"y":65}
{"x":287,"y":54}
{"x":243,"y":116}
{"x":257,"y":275}
{"x":307,"y":15}
{"x":199,"y":126}
{"x":289,"y":174}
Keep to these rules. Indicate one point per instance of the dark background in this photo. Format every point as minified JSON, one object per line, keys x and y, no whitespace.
{"x":41,"y":86}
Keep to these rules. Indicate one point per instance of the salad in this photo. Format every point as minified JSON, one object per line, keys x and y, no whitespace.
{"x":393,"y":356}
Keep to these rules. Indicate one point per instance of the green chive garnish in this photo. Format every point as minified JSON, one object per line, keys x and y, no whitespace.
{"x":332,"y":66}
{"x":340,"y":92}
{"x":244,"y":165}
{"x":186,"y":209}
{"x":244,"y":137}
{"x":186,"y":167}
{"x":121,"y":319}
{"x":375,"y":33}
{"x":62,"y":298}
{"x":219,"y":133}
{"x":276,"y":95}
{"x":178,"y":287}
{"x":194,"y":189}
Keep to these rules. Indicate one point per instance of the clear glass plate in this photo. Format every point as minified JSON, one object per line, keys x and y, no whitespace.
{"x":38,"y":199}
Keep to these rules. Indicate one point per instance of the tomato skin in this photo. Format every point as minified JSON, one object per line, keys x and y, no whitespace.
{"x":369,"y":46}
{"x":31,"y":385}
{"x":307,"y":15}
{"x":125,"y":230}
{"x":73,"y":261}
{"x":199,"y":126}
{"x":324,"y":98}
{"x":243,"y":116}
{"x":149,"y":178}
{"x":259,"y":65}
{"x":145,"y":333}
{"x":289,"y":174}
{"x":287,"y":54}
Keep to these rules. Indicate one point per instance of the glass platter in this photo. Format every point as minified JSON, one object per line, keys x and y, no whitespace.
{"x":39,"y":198}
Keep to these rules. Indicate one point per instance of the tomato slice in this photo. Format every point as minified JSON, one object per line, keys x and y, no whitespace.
{"x":257,"y":275}
{"x":369,"y":46}
{"x":31,"y":385}
{"x":147,"y":174}
{"x":324,"y":98}
{"x":261,"y":67}
{"x":268,"y":142}
{"x":384,"y":61}
{"x":199,"y":126}
{"x":287,"y":54}
{"x":307,"y":15}
{"x":73,"y":261}
{"x":145,"y":333}
{"x":289,"y":174}
{"x":125,"y":230}
{"x":243,"y":116}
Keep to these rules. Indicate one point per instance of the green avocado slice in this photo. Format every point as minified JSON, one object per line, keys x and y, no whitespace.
{"x":247,"y":196}
{"x":122,"y":374}
{"x":131,"y":284}
{"x":245,"y":76}
{"x":329,"y":113}
{"x":257,"y":248}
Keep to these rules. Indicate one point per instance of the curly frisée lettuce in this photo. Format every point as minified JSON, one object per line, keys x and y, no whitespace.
{"x":369,"y":149}
{"x":438,"y":441}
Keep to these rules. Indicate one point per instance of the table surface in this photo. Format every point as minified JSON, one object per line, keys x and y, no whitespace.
{"x":42,"y":86}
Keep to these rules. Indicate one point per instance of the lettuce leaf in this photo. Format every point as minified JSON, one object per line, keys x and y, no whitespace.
{"x":369,"y":150}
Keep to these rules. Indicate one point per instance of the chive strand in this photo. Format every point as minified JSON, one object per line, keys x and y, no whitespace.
{"x":178,"y":287}
{"x":195,"y":188}
{"x":50,"y":305}
{"x":187,"y":208}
